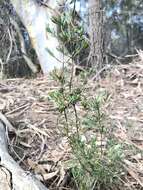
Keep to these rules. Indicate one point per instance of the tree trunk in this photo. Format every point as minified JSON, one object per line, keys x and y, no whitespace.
{"x":36,"y":18}
{"x":96,"y":34}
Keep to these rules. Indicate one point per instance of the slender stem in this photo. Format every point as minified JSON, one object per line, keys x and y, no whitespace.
{"x":67,"y":125}
{"x":101,"y":127}
{"x":72,"y":69}
{"x":76,"y":120}
{"x":71,"y":77}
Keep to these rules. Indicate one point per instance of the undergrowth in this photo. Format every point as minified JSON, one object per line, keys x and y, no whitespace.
{"x":97,"y":155}
{"x":97,"y":162}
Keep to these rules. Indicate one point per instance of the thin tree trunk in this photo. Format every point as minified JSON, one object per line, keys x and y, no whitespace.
{"x":96,"y":34}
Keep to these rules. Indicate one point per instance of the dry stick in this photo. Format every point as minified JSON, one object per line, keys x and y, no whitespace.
{"x":7,"y":123}
{"x":17,"y":109}
{"x":131,"y":170}
{"x":11,"y":45}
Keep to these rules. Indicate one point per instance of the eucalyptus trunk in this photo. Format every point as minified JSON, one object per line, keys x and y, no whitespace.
{"x":36,"y":18}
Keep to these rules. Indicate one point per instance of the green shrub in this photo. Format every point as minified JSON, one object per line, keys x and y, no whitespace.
{"x":97,"y":156}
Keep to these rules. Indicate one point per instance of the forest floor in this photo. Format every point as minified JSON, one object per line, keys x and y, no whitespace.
{"x":39,"y":146}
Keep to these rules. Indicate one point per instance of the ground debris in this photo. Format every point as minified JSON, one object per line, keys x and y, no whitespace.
{"x":26,"y":105}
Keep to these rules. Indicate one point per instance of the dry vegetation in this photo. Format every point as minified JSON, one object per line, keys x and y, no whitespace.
{"x":38,"y":145}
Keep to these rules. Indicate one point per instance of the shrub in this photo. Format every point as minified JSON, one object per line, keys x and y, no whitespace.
{"x":97,"y":162}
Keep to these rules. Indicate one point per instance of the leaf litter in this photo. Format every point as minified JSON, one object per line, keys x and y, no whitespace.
{"x":38,"y":145}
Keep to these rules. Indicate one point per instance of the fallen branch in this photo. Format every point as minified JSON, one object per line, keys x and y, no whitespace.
{"x":19,"y":179}
{"x":9,"y":126}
